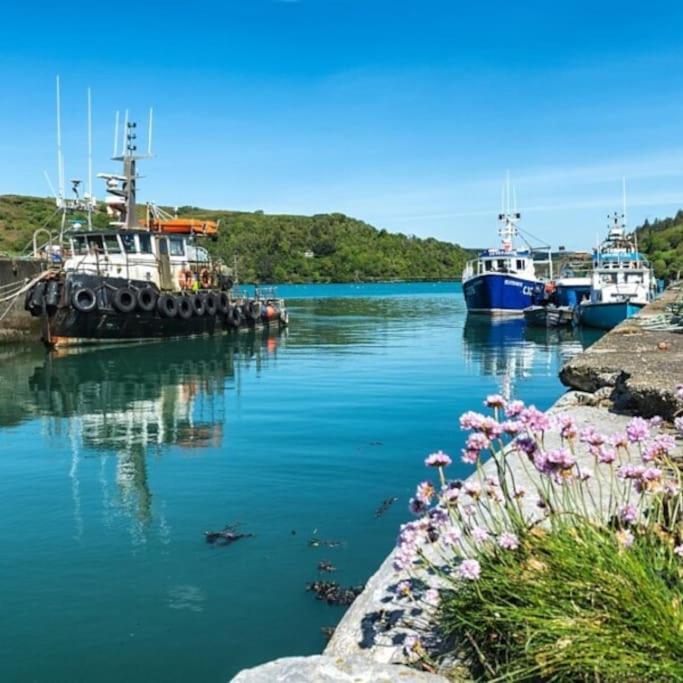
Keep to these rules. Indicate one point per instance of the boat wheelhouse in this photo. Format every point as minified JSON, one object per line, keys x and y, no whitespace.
{"x":622,"y":281}
{"x":505,"y":280}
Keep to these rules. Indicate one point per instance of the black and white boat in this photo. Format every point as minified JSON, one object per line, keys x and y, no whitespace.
{"x":141,"y":280}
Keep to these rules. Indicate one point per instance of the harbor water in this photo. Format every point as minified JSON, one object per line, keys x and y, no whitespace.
{"x":115,"y":461}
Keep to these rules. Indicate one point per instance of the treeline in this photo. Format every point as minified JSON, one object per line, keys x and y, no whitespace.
{"x":280,"y":248}
{"x":662,"y":241}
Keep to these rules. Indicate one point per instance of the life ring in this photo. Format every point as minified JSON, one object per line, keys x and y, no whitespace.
{"x":198,"y":305}
{"x":269,"y":312}
{"x":205,"y":278}
{"x":210,"y":304}
{"x":184,"y":307}
{"x":84,"y":300}
{"x":124,"y":300}
{"x":185,"y":278}
{"x":167,"y":306}
{"x":147,"y":299}
{"x":223,"y":303}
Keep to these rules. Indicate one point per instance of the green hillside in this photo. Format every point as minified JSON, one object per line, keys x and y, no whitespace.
{"x":279,"y":248}
{"x":662,"y":241}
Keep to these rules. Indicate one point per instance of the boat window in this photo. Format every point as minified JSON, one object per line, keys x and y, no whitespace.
{"x":163,"y":247}
{"x":78,"y":245}
{"x":128,"y":242}
{"x":177,"y":246}
{"x":145,"y":242}
{"x":112,"y":244}
{"x":96,"y":244}
{"x":520,"y":264}
{"x":500,"y":265}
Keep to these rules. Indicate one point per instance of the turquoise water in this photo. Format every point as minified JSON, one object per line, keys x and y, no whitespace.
{"x":113,"y":463}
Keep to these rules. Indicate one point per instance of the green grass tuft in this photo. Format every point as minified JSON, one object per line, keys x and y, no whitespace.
{"x":572,"y":605}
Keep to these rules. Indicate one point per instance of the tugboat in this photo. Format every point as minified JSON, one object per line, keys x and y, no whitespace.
{"x":504,"y":281}
{"x":622,"y":281}
{"x":144,"y":281}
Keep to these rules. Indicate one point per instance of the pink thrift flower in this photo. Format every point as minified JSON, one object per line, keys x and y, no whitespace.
{"x":660,"y":447}
{"x":451,"y":536}
{"x":469,"y":570}
{"x":678,"y":423}
{"x":477,"y":442}
{"x":508,"y":541}
{"x":514,"y":408}
{"x":472,"y":489}
{"x":628,"y":514}
{"x":470,"y":420}
{"x":479,"y":534}
{"x":619,"y":441}
{"x":637,"y":430}
{"x":536,"y":420}
{"x":494,"y":401}
{"x":469,"y":457}
{"x":606,"y":455}
{"x":438,"y":459}
{"x":425,"y":492}
{"x":679,"y":550}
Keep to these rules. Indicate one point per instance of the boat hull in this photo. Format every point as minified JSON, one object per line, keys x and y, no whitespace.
{"x":548,"y":316}
{"x":65,"y":325}
{"x":500,"y":294}
{"x":605,"y":316}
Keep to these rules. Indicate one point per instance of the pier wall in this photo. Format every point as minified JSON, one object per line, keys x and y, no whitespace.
{"x":632,"y":370}
{"x":18,"y":325}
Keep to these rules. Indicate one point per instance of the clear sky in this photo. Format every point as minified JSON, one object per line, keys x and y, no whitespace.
{"x":406,"y":114}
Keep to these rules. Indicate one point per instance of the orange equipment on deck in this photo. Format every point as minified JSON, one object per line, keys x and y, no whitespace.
{"x":184,"y":226}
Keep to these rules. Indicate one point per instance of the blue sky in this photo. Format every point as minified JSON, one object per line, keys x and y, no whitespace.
{"x":404,"y":114}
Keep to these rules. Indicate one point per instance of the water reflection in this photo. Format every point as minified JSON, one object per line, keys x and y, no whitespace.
{"x":511,"y":350}
{"x":131,"y":401}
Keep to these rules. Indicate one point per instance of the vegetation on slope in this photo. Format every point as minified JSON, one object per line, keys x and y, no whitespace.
{"x":279,"y":248}
{"x":662,"y":241}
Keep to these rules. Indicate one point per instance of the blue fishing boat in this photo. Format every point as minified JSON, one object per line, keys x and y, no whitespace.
{"x":605,"y":316}
{"x":622,"y":281}
{"x":504,"y":280}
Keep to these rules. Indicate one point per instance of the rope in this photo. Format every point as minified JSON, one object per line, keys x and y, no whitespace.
{"x":26,"y":287}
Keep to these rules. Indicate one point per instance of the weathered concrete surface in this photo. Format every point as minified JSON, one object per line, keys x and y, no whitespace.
{"x":322,"y":669}
{"x":377,"y":623}
{"x":640,"y":367}
{"x":18,"y":325}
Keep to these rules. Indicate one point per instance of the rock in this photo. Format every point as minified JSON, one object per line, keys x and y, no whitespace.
{"x":323,"y":669}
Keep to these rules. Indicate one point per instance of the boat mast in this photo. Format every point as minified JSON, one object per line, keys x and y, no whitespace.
{"x":122,"y":203}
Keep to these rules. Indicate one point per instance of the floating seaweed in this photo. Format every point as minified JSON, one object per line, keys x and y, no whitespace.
{"x":385,"y":505}
{"x":334,"y":594}
{"x":325,"y":566}
{"x":226,"y":536}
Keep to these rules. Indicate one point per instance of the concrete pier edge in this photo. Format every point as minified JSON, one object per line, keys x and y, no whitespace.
{"x":632,"y":370}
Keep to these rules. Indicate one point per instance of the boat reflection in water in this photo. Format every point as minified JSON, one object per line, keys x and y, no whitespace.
{"x":133,"y":402}
{"x":511,"y":350}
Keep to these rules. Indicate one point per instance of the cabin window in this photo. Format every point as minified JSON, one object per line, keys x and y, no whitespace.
{"x":177,"y":246}
{"x":145,"y":242}
{"x":520,"y":264}
{"x":128,"y":242}
{"x":163,"y":247}
{"x":96,"y":244}
{"x":78,"y":246}
{"x":112,"y":244}
{"x":501,"y":265}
